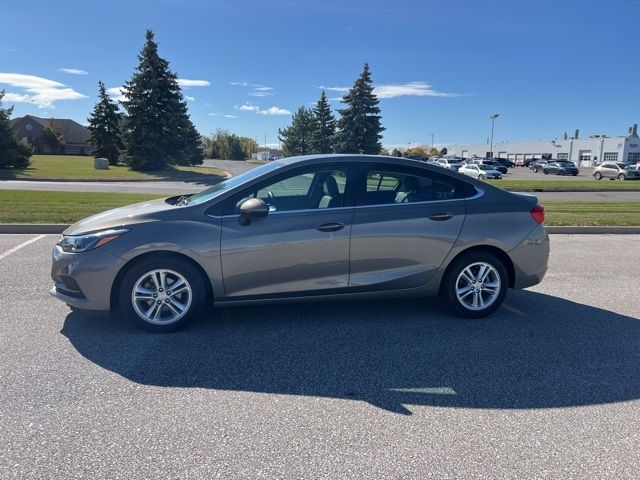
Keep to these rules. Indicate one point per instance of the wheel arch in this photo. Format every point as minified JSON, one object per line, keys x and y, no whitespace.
{"x":501,"y":254}
{"x":115,"y":287}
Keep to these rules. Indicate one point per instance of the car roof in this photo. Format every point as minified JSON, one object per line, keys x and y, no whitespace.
{"x":348,"y":157}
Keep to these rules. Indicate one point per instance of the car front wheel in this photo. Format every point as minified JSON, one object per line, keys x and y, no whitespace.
{"x":475,"y":285}
{"x":161,"y":294}
{"x":598,"y":176}
{"x":622,"y":177}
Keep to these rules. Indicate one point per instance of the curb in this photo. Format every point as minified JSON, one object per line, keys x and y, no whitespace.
{"x":50,"y":228}
{"x":593,"y":230}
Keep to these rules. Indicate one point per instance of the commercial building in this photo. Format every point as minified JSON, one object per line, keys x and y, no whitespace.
{"x":582,"y":151}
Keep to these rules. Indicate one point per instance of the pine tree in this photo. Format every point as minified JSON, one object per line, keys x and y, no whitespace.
{"x":157,"y":130}
{"x":297,"y":138}
{"x":360,"y":125}
{"x":104,"y":123}
{"x":13,"y":152}
{"x":325,"y":126}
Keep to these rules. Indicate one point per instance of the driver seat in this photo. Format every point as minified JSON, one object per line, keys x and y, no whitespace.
{"x":331,"y":197}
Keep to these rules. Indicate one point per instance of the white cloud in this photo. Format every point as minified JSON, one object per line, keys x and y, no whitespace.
{"x":259,"y":94}
{"x":335,"y":89}
{"x":258,"y":90}
{"x":185,"y":82}
{"x":213,"y":114}
{"x":38,"y":91}
{"x":411,"y":89}
{"x":275,"y":111}
{"x":117,"y":93}
{"x":74,"y":71}
{"x":264,"y":89}
{"x":247,"y":107}
{"x":230,"y":116}
{"x":190,"y":98}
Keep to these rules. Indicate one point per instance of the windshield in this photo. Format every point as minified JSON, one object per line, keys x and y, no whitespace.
{"x":226,"y":185}
{"x":485,"y":167}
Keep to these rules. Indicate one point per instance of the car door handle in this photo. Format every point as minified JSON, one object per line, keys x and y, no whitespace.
{"x":440,"y":217}
{"x":331,"y":227}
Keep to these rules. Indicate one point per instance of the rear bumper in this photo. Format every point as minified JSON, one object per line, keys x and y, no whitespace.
{"x":531,"y":258}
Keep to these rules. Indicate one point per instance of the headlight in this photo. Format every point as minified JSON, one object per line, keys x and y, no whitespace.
{"x":82,"y":243}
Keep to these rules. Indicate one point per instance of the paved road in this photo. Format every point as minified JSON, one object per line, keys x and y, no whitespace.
{"x":549,"y":387}
{"x":234,"y":167}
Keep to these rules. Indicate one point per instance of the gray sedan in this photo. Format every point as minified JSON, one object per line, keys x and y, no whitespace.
{"x":307,"y":228}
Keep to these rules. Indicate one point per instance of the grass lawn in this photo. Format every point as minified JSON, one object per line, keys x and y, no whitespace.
{"x":27,"y":206}
{"x":567,"y":185}
{"x":69,"y":167}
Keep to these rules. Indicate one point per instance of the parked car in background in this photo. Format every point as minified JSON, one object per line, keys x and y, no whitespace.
{"x":450,"y":163}
{"x":480,"y":171}
{"x":560,"y":168}
{"x":616,"y":170}
{"x":496,"y":166}
{"x":505,"y":161}
{"x":538,"y":165}
{"x":306,"y":228}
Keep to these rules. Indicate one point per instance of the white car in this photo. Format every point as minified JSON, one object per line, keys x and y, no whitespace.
{"x":480,"y":171}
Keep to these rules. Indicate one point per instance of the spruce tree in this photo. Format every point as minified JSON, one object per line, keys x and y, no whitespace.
{"x":360,"y":126}
{"x":13,"y":152}
{"x":325,"y":126}
{"x":297,"y":138}
{"x":104,"y":123}
{"x":157,"y":130}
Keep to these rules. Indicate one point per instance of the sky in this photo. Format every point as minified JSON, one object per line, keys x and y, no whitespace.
{"x":439,"y":67}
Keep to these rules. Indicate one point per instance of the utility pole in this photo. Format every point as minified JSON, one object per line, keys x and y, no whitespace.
{"x":432,"y":135}
{"x":493,"y":121}
{"x":265,"y":141}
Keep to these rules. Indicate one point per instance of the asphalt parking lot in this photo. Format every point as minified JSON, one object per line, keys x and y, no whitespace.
{"x":549,"y":387}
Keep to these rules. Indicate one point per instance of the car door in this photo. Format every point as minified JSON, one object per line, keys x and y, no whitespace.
{"x":301,"y":246}
{"x":405,"y":222}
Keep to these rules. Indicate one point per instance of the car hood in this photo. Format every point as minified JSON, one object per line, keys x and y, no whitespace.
{"x":119,"y":217}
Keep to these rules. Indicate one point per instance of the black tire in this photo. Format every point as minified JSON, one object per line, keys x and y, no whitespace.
{"x":622,"y":177}
{"x":546,"y":172}
{"x":560,"y":172}
{"x":480,"y":177}
{"x":454,"y":270}
{"x":597,"y":176}
{"x":137,"y":270}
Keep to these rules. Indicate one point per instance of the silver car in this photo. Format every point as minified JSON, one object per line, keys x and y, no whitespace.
{"x":616,"y":170}
{"x":480,"y":171}
{"x":307,"y":228}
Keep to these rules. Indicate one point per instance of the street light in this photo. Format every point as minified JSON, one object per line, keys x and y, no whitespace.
{"x":493,"y":121}
{"x":432,"y":135}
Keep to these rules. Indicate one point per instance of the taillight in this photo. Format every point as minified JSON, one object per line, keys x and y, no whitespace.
{"x":537,"y":213}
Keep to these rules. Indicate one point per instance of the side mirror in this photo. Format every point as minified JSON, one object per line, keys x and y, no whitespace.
{"x":252,"y":208}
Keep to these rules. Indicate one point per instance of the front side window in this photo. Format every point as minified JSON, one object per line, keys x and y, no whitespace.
{"x":312,"y":188}
{"x":390,"y":185}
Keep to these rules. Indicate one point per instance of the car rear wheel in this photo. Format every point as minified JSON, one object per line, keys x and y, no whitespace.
{"x":480,"y":177}
{"x":475,"y":285}
{"x":546,"y":172}
{"x":161,"y":294}
{"x":597,"y":176}
{"x":622,"y":177}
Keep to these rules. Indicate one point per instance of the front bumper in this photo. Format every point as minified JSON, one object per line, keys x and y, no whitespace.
{"x":84,"y":280}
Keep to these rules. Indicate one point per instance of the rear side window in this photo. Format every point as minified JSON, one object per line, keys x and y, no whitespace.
{"x":388,"y":185}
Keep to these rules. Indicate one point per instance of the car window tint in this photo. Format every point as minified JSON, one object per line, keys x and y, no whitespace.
{"x":314,"y":188}
{"x":390,"y":186}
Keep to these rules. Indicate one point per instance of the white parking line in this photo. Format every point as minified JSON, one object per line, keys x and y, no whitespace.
{"x":22,"y":245}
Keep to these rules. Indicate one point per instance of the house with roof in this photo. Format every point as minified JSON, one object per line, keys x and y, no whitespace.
{"x":75,"y":137}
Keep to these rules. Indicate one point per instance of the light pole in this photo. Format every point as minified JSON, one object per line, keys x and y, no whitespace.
{"x":493,"y":121}
{"x":432,"y":135}
{"x":265,"y":141}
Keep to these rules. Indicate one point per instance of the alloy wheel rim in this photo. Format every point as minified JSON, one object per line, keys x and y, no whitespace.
{"x":161,"y":296}
{"x":478,"y":286}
